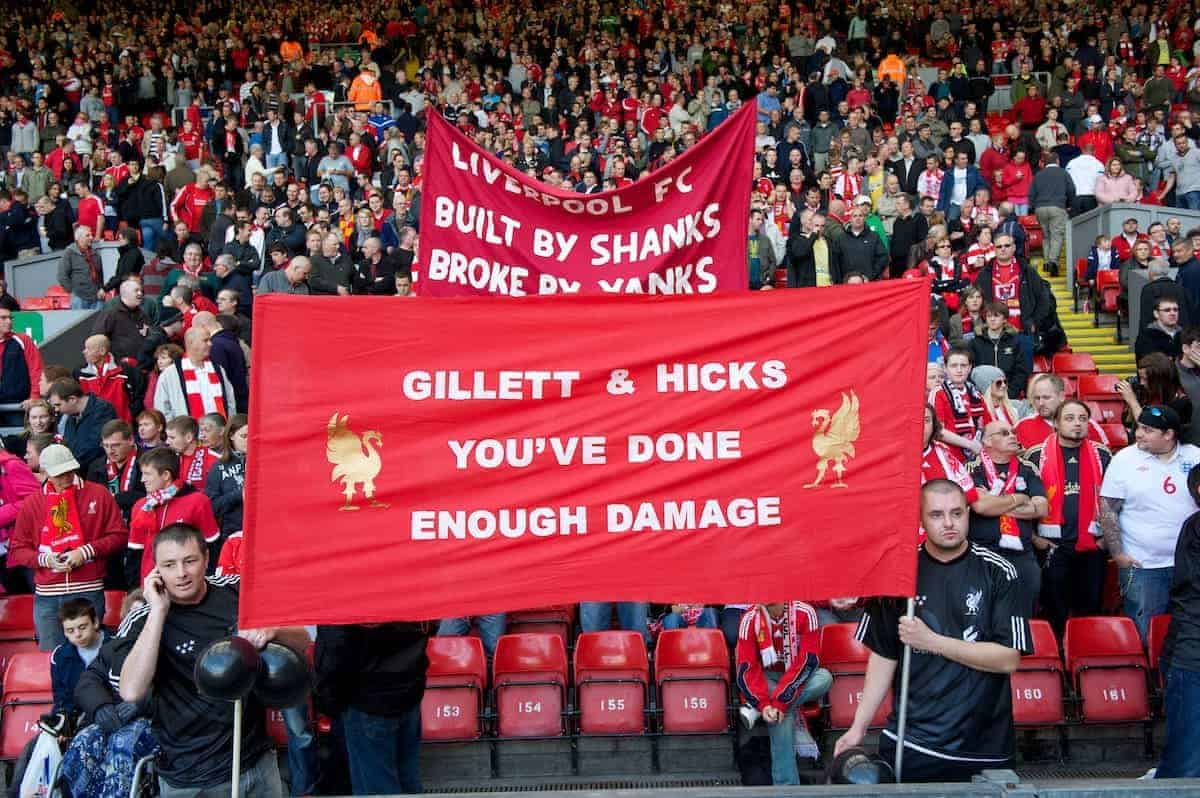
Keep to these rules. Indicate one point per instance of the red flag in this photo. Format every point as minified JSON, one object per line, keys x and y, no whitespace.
{"x":488,"y":228}
{"x":457,"y":457}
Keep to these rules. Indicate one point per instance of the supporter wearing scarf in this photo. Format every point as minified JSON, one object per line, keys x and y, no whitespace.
{"x":1091,"y":472}
{"x":62,"y":529}
{"x":1006,"y":288}
{"x":120,"y":477}
{"x":966,"y":404}
{"x":203,"y":387}
{"x":1010,"y":530}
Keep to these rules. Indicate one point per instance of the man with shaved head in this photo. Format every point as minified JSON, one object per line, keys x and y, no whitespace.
{"x":116,"y":383}
{"x":195,"y":386}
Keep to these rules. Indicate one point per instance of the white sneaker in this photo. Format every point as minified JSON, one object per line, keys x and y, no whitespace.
{"x":749,"y":716}
{"x":1149,"y":775}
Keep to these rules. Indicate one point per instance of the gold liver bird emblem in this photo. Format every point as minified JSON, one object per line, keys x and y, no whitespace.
{"x":356,"y":461}
{"x":833,"y":439}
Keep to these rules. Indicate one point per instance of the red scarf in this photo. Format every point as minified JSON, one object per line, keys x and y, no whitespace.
{"x":89,"y":255}
{"x":1006,"y":288}
{"x":1010,"y":531}
{"x":61,"y":529}
{"x":203,"y":388}
{"x":122,"y":480}
{"x":1053,"y":471}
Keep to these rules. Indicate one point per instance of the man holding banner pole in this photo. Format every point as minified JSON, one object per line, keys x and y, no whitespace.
{"x":966,"y":636}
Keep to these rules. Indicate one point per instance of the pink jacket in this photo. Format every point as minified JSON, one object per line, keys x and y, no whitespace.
{"x":16,"y":482}
{"x":1116,"y":189}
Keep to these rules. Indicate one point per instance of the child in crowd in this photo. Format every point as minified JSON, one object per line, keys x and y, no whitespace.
{"x":84,"y":636}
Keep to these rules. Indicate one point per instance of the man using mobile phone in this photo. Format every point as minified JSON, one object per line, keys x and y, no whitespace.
{"x":183,"y":614}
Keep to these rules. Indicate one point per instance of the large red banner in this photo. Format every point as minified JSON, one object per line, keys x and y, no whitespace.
{"x":457,"y":457}
{"x":488,"y":228}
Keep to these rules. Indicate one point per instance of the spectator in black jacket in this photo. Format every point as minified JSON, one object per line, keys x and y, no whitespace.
{"x":18,"y":226}
{"x":997,"y":345}
{"x":861,"y":249}
{"x":236,"y":275}
{"x":1033,"y":299}
{"x":119,"y":469}
{"x":373,"y":677}
{"x":227,"y":353}
{"x":130,"y":259}
{"x":908,"y":229}
{"x":376,"y":273}
{"x":144,"y":204}
{"x":808,"y":249}
{"x":86,"y":417}
{"x":227,"y":478}
{"x":286,"y":231}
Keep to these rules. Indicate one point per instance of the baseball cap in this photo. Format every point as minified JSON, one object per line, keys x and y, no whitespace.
{"x":1158,"y":417}
{"x":57,"y":460}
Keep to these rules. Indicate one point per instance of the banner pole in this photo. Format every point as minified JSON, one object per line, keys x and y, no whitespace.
{"x":237,"y":749}
{"x":902,"y":713}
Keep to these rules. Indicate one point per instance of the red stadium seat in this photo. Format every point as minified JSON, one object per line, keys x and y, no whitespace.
{"x":846,"y":659}
{"x":1099,"y":391}
{"x":1155,"y":638}
{"x":1041,"y":364}
{"x":530,"y":675}
{"x":1118,"y":436}
{"x":1071,"y":364}
{"x":112,"y":608}
{"x":27,"y":696}
{"x":543,"y":620}
{"x":1082,"y":287}
{"x":691,"y":668}
{"x":17,"y":633}
{"x":1107,"y":297}
{"x":611,"y":674}
{"x":454,"y":686}
{"x":1108,"y":669}
{"x":1037,"y":685}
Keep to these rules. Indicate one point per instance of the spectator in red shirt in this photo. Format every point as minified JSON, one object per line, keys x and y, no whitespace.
{"x":90,"y":213}
{"x":1030,"y":110}
{"x":777,"y":672}
{"x":195,"y":461}
{"x":168,"y":500}
{"x":188,"y":205}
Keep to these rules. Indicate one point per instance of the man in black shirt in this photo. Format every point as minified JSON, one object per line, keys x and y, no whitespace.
{"x":1009,"y":532}
{"x":1180,"y":660}
{"x":183,"y":614}
{"x":967,"y":636}
{"x":1072,"y":470}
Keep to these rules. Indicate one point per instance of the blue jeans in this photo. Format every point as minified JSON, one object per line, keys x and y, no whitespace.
{"x":1181,"y":755}
{"x":1147,"y":592}
{"x":152,"y":231}
{"x":45,"y":616}
{"x":302,"y":750}
{"x":383,"y":752}
{"x":276,"y":160}
{"x":79,"y":303}
{"x":490,"y":629}
{"x":731,"y":620}
{"x":783,"y":733}
{"x":707,"y":620}
{"x":596,"y":616}
{"x":1190,"y":200}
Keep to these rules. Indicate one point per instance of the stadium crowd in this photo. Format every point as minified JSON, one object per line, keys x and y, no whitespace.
{"x":257,"y":150}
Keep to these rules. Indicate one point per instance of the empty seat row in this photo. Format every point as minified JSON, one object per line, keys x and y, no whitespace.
{"x":1106,"y":675}
{"x":612,"y":687}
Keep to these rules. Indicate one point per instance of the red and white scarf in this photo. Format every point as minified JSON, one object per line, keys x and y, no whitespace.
{"x":202,"y":384}
{"x":1006,"y":288}
{"x":1010,"y":531}
{"x":120,"y":476}
{"x":1053,"y":471}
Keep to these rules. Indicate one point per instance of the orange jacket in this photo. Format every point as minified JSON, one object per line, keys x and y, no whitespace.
{"x":892,"y":67}
{"x":365,"y":91}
